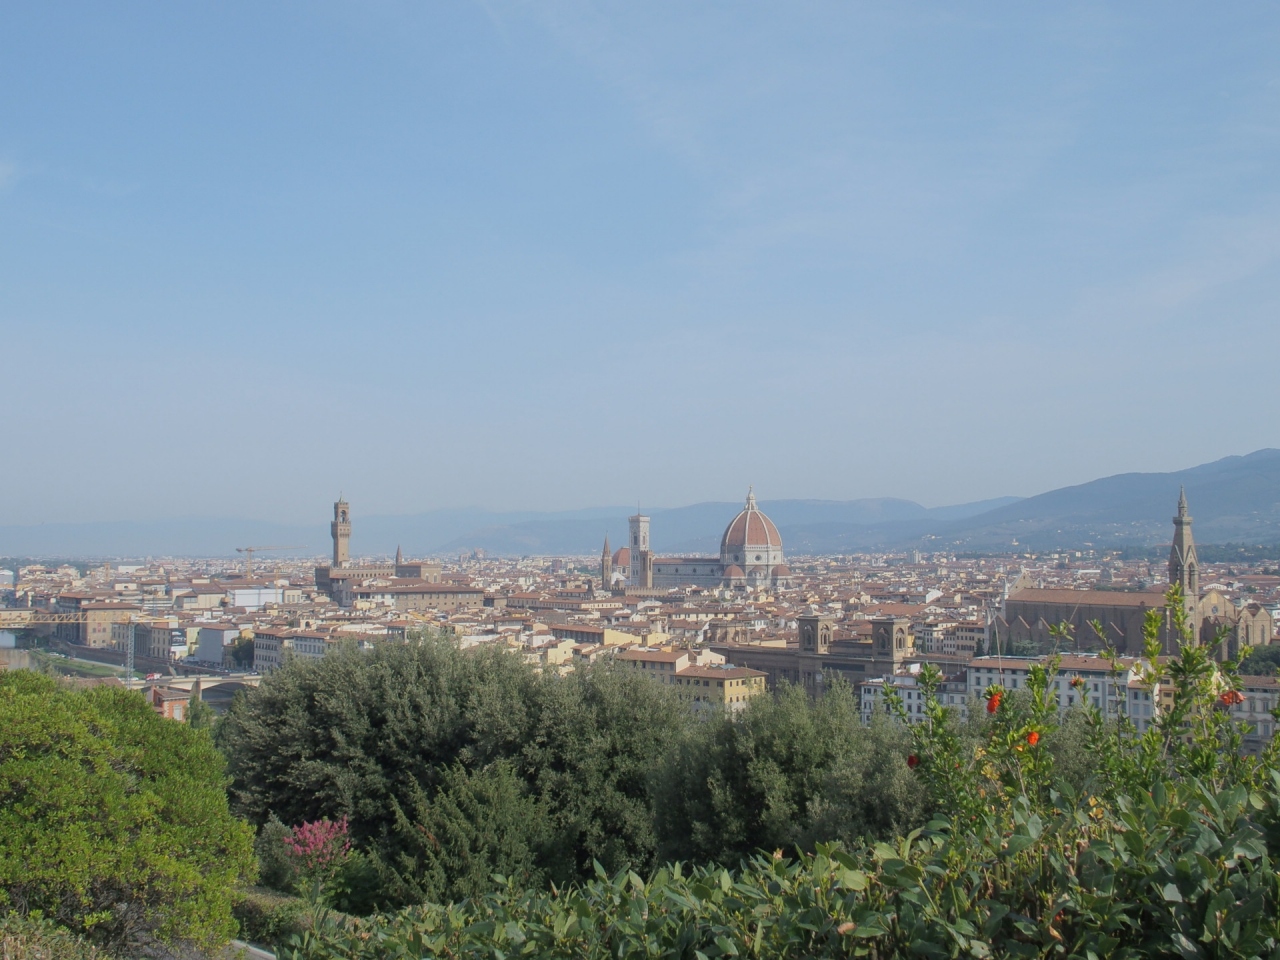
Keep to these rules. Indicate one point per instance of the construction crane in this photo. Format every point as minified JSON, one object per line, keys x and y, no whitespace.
{"x":250,"y":551}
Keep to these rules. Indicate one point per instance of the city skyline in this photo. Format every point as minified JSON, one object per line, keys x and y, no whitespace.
{"x":533,"y":258}
{"x":1237,"y":497}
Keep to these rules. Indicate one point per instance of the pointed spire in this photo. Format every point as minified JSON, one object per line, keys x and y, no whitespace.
{"x":399,"y":556}
{"x":751,"y":497}
{"x":606,"y":552}
{"x":1183,"y":562}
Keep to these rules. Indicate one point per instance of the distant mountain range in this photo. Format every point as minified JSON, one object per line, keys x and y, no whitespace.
{"x":1236,"y":499}
{"x":1233,"y":500}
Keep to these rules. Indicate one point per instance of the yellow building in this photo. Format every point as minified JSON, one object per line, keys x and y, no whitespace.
{"x":720,"y":686}
{"x":708,"y":686}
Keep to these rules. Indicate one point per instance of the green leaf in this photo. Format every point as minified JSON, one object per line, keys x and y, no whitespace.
{"x":1185,"y":947}
{"x":1250,"y":848}
{"x":853,"y":879}
{"x":727,"y":946}
{"x":869,"y":929}
{"x":926,"y":949}
{"x":1018,"y":843}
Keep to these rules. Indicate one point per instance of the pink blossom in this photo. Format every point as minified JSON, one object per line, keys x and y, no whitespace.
{"x":320,"y":845}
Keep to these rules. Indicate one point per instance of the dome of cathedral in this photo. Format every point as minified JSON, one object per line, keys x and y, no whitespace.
{"x":622,"y":557}
{"x":782,"y":570}
{"x":733,"y":572}
{"x":750,"y":530}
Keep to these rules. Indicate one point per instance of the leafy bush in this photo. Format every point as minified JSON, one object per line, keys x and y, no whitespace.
{"x":452,"y":766}
{"x":1165,"y":847}
{"x":24,"y":938}
{"x":113,"y":821}
{"x":1183,"y":873}
{"x":787,"y":773}
{"x":270,"y":917}
{"x":1261,"y":661}
{"x":275,"y":866}
{"x":477,"y":824}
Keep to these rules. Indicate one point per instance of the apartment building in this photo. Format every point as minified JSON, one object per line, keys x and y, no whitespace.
{"x":697,"y":679}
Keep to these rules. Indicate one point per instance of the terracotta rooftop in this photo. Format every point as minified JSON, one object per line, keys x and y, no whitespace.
{"x":1089,"y":598}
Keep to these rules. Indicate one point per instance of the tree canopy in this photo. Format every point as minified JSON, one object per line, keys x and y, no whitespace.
{"x":456,"y":765}
{"x":786,"y":774}
{"x":113,"y":820}
{"x":1261,"y":661}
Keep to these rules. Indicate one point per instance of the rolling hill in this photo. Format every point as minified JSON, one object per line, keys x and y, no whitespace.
{"x":1236,"y":499}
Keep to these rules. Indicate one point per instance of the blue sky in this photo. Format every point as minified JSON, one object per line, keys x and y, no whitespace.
{"x":550,"y":255}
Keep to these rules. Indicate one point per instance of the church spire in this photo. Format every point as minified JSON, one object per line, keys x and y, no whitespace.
{"x":606,"y":566}
{"x":1184,"y":565}
{"x":399,"y":556}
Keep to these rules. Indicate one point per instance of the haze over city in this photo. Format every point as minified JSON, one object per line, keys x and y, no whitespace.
{"x":553,"y":256}
{"x":586,"y":479}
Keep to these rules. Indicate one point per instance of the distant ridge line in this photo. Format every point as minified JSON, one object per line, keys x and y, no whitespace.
{"x":1235,"y":500}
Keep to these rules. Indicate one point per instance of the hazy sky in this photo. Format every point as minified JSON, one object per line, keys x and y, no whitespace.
{"x":551,"y":255}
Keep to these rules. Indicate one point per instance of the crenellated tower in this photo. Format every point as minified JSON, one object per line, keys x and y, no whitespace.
{"x":340,"y":530}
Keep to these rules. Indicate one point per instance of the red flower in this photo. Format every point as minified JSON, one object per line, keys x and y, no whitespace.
{"x":1231,"y":698}
{"x":993,"y":702}
{"x":913,"y":761}
{"x":1078,"y":682}
{"x":1033,"y":738}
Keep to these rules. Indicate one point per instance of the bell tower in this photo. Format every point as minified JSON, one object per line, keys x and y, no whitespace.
{"x":815,"y":632}
{"x":891,"y":639}
{"x":641,"y":558}
{"x":606,"y":566}
{"x":340,"y":530}
{"x":1184,"y":565}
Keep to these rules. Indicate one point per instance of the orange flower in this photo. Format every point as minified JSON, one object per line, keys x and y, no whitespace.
{"x":993,"y":703}
{"x":1033,"y":738}
{"x":1231,"y":698}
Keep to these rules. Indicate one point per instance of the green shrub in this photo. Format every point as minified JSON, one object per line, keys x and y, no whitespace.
{"x":787,"y":773}
{"x":275,"y":867}
{"x":25,"y":938}
{"x":477,"y":824}
{"x":1261,"y":661}
{"x":1183,"y":873}
{"x":268,"y":916}
{"x":454,"y":765}
{"x":113,"y":820}
{"x":1164,"y":847}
